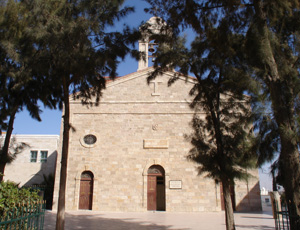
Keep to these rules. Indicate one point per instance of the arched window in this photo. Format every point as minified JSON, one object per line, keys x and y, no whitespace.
{"x":157,"y":170}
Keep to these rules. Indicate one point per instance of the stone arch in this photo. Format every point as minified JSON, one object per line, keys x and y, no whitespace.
{"x":155,"y":162}
{"x":156,"y":170}
{"x":77,"y":181}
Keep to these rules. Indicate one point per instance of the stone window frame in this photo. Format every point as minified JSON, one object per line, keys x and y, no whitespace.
{"x":81,"y":140}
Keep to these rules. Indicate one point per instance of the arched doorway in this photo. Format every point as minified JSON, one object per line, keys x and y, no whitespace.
{"x":86,"y":190}
{"x":156,"y":190}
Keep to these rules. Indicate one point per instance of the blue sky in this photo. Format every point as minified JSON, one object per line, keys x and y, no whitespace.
{"x":51,"y":119}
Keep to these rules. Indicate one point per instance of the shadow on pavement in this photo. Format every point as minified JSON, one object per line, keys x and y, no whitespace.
{"x":256,"y":217}
{"x":93,"y":222}
{"x":255,"y":227}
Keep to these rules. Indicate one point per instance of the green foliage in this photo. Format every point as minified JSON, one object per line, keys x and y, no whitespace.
{"x":223,"y":143}
{"x":267,"y":138}
{"x":73,"y":50}
{"x":11,"y":196}
{"x":230,"y":161}
{"x":266,"y":49}
{"x":19,"y":87}
{"x":225,"y":137}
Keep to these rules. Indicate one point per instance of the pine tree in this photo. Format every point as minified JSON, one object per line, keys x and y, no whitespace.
{"x":269,"y":33}
{"x":19,"y":87}
{"x":274,"y":31}
{"x":74,"y":52}
{"x":222,"y":139}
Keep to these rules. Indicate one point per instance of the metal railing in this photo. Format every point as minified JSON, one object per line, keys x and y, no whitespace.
{"x":25,"y":216}
{"x":283,"y":218}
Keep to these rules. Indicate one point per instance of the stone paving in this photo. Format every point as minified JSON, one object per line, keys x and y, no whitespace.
{"x":89,"y":220}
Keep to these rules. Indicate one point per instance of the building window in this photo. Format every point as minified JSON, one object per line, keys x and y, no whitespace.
{"x":90,"y":139}
{"x":33,"y":156}
{"x":44,"y":155}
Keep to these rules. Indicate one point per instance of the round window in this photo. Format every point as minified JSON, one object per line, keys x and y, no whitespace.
{"x":90,"y":139}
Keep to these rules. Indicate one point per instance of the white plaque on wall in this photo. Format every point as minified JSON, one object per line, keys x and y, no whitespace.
{"x":175,"y":184}
{"x":156,"y":144}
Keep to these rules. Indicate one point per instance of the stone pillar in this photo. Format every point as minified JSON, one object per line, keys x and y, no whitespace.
{"x":276,"y":204}
{"x":143,"y":62}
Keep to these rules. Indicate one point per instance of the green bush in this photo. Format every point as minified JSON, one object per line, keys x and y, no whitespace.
{"x":11,"y":196}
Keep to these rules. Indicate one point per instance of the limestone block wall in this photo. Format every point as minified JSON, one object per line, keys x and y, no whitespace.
{"x":247,"y":193}
{"x":137,"y":126}
{"x":120,"y":163}
{"x":24,"y":172}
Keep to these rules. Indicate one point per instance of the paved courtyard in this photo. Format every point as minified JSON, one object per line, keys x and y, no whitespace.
{"x":89,"y":220}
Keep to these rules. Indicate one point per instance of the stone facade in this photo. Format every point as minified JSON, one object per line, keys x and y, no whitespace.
{"x":138,"y":125}
{"x":26,"y":171}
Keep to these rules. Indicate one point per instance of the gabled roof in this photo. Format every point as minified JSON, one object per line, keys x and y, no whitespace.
{"x":143,"y":72}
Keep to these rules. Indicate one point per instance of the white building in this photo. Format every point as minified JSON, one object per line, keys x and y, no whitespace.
{"x":36,"y":160}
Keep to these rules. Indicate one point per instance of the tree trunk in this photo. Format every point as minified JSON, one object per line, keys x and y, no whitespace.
{"x":2,"y":168}
{"x":4,"y":151}
{"x":283,"y":108}
{"x":215,"y":116}
{"x":274,"y":183}
{"x":228,"y":205}
{"x":60,"y":220}
{"x":289,"y":164}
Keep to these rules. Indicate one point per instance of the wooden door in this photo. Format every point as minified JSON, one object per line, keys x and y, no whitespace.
{"x":232,"y":194}
{"x":156,"y":198}
{"x":151,"y":193}
{"x":86,"y":191}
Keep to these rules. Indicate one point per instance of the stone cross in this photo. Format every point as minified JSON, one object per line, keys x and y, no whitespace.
{"x":156,"y":82}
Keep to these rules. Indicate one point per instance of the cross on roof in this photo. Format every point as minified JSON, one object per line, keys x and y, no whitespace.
{"x":156,"y":82}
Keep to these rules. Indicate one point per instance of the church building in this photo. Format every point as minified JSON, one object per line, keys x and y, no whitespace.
{"x":129,"y":154}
